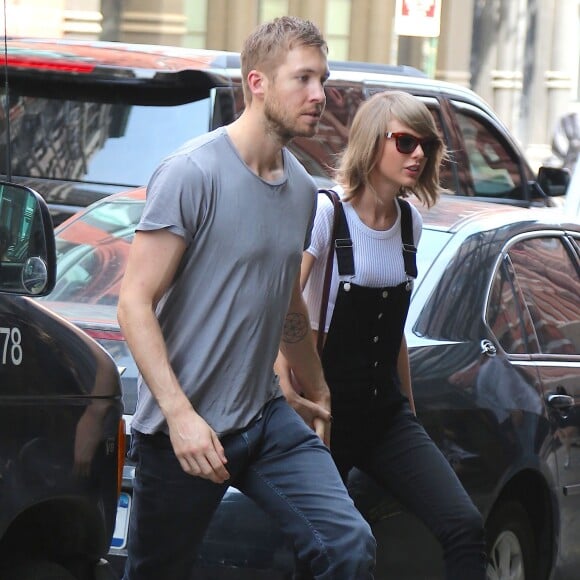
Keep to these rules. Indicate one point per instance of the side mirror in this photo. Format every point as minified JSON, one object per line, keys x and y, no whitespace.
{"x":27,"y":250}
{"x":553,"y":180}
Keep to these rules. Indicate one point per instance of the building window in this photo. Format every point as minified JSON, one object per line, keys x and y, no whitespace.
{"x":196,"y":15}
{"x":270,"y":9}
{"x":338,"y":28}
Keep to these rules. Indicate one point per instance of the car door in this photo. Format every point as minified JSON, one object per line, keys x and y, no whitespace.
{"x":547,"y":273}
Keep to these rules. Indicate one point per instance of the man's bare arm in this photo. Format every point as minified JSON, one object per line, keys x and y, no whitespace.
{"x":298,"y":352}
{"x":153,"y":262}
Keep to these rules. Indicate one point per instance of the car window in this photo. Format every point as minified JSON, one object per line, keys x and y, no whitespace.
{"x":447,"y":170}
{"x":550,"y":283}
{"x":494,"y":172}
{"x":321,"y":153}
{"x":92,"y":253}
{"x":507,"y":316}
{"x":454,"y":309}
{"x":98,"y":142}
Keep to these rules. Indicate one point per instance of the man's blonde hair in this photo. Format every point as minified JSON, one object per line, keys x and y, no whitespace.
{"x":269,"y":43}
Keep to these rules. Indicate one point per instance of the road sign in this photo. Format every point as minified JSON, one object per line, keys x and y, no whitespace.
{"x":418,"y":18}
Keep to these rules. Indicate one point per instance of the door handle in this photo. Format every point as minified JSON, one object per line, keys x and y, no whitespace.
{"x":487,"y":347}
{"x":560,"y":401}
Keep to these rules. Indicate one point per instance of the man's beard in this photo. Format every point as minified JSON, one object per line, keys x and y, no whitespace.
{"x":280,"y":123}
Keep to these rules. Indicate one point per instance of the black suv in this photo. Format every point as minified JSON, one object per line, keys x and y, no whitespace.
{"x":61,"y":432}
{"x":92,"y":118}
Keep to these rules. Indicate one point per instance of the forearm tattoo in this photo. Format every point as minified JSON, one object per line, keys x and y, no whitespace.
{"x":296,"y":327}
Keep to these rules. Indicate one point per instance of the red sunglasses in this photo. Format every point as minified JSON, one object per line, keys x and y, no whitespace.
{"x":407,"y":143}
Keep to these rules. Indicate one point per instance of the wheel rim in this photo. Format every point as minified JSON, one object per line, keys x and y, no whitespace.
{"x":506,"y":558}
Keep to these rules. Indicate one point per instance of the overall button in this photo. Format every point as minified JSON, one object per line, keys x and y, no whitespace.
{"x":380,"y":315}
{"x":385,"y":294}
{"x":376,"y":339}
{"x":376,"y":364}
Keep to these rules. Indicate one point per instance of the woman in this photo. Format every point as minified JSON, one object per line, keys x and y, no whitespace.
{"x":393,"y":150}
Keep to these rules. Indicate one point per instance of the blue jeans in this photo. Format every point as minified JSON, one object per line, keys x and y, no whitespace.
{"x":280,"y":464}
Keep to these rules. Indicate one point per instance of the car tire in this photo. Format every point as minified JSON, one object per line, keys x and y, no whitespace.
{"x":510,"y":544}
{"x":38,"y":570}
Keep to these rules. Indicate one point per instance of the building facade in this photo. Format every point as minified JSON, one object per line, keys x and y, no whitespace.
{"x":522,"y":56}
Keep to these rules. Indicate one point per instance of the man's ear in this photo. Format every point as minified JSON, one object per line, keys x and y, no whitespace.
{"x":257,"y":83}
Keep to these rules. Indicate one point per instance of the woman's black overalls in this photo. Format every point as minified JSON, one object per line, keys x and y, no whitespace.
{"x":373,"y":426}
{"x":362,"y":346}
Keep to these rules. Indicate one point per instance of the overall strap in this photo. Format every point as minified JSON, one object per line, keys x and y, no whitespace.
{"x":341,"y":242}
{"x":409,"y":248}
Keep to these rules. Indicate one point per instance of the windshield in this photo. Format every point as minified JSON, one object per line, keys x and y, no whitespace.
{"x":92,"y":253}
{"x":109,"y":143}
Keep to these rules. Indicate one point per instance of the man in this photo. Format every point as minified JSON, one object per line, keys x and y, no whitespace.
{"x":211,"y":283}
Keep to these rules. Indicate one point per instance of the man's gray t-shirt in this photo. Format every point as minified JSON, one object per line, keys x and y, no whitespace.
{"x":222,"y":317}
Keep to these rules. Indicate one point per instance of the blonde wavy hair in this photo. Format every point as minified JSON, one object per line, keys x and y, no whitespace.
{"x":367,"y":137}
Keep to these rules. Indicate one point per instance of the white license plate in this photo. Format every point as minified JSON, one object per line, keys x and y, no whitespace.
{"x":122,"y":524}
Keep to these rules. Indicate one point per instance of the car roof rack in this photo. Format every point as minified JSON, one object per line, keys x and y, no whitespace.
{"x":232,"y":61}
{"x":374,"y":67}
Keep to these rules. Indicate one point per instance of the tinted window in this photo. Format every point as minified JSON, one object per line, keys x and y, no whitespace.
{"x":455,"y":307}
{"x":447,"y":174}
{"x":494,"y":173}
{"x":320,"y":154}
{"x":92,"y":253}
{"x":550,"y":284}
{"x":83,"y":140}
{"x":507,"y":316}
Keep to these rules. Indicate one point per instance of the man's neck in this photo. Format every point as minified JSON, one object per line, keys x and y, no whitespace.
{"x":260,"y":150}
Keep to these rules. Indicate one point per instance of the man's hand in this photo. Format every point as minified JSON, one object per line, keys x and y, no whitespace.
{"x":298,"y":366}
{"x":197,"y":446}
{"x":316,"y":414}
{"x":322,"y":428}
